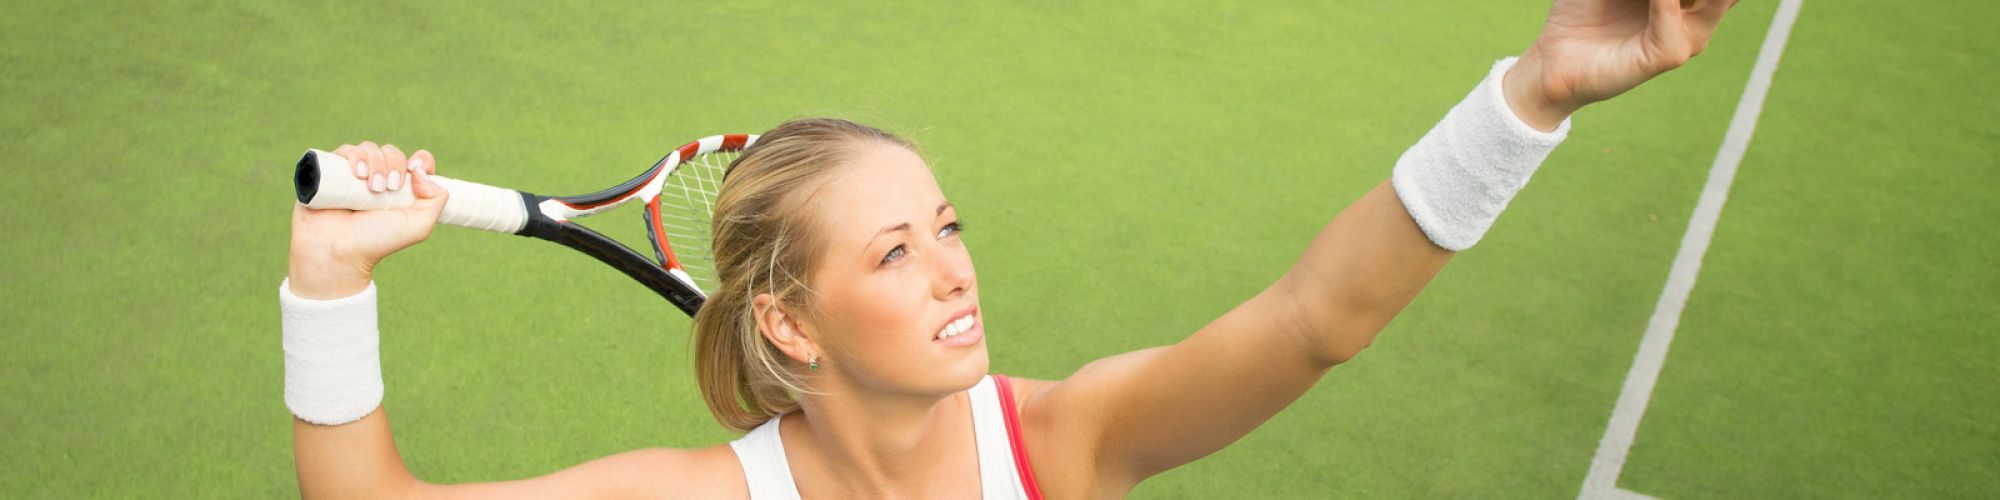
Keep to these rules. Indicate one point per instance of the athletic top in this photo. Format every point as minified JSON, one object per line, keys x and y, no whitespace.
{"x":996,"y":427}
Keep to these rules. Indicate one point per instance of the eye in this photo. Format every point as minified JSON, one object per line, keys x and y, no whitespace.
{"x":951,"y":229}
{"x":895,"y":254}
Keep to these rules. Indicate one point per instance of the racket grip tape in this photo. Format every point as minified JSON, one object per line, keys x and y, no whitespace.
{"x":325,"y":180}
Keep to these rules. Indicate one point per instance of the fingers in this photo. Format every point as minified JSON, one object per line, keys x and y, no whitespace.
{"x":1705,"y":14}
{"x":1666,"y":35}
{"x":421,"y":166}
{"x":352,"y":154}
{"x":378,"y":179}
{"x":395,"y":160}
{"x":1664,"y":11}
{"x":383,"y":167}
{"x":1702,"y":19}
{"x":422,"y":159}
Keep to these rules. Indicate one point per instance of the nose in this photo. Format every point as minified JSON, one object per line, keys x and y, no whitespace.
{"x":952,"y":272}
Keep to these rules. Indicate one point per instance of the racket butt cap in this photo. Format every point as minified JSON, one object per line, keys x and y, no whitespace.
{"x":306,"y":179}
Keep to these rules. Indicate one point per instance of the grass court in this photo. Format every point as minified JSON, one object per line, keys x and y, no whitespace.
{"x":1127,"y":173}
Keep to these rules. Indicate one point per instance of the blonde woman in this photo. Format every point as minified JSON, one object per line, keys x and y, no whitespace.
{"x":846,"y":338}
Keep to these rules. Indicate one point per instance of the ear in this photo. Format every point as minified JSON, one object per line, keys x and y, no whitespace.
{"x":782,"y":329}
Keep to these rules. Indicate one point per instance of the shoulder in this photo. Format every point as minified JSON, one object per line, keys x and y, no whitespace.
{"x":1026,"y":388}
{"x":1062,"y":453}
{"x":711,"y":472}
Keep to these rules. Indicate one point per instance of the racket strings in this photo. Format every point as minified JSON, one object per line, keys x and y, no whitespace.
{"x":687,"y":202}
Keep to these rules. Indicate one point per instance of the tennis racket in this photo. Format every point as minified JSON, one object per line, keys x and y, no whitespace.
{"x":678,"y":193}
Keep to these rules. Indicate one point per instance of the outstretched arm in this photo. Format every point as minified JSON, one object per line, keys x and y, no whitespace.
{"x":1134,"y":415}
{"x":1131,"y":416}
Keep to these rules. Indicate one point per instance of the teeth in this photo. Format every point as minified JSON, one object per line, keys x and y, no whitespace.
{"x":956,"y":327}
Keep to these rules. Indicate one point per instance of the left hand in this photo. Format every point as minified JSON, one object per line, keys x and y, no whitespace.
{"x":1592,"y":50}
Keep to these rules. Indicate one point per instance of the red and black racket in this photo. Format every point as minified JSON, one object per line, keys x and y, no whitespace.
{"x":678,"y":192}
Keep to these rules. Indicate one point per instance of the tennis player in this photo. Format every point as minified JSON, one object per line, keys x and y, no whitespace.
{"x":846,"y":338}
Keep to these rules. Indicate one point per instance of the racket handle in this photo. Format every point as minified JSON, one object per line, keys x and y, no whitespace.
{"x":325,"y":180}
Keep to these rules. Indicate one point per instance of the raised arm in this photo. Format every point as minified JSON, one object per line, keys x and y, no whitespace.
{"x":1131,"y":416}
{"x":333,"y":385}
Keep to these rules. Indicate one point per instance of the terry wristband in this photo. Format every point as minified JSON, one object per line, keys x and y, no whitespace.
{"x":333,"y":362}
{"x":1457,"y":179}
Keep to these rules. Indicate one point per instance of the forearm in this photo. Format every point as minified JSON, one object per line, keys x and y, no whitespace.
{"x":333,"y":387}
{"x":341,"y":444}
{"x":333,"y":380}
{"x":1359,"y":272}
{"x":1447,"y":190}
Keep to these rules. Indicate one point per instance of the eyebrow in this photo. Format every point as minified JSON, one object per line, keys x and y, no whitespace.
{"x":903,"y":226}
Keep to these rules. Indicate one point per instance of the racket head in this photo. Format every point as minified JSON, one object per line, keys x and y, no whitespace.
{"x":679,"y":213}
{"x":677,"y":228}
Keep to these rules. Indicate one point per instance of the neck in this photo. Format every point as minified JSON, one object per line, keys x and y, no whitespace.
{"x":880,"y":445}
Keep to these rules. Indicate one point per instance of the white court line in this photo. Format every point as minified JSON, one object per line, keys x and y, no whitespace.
{"x":1602,"y":483}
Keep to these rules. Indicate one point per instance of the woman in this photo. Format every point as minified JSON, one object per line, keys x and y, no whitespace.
{"x":854,"y":352}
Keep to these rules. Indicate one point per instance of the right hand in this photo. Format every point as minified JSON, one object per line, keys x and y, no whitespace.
{"x":334,"y":251}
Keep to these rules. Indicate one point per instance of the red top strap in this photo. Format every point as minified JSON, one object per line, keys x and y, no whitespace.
{"x":1028,"y":484}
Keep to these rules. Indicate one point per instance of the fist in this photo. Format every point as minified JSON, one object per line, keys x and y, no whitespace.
{"x":334,"y":251}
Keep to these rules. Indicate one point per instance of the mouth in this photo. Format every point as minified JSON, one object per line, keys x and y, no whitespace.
{"x":964,"y":329}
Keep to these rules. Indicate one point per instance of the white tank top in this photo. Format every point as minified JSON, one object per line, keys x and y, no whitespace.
{"x":1003,"y":463}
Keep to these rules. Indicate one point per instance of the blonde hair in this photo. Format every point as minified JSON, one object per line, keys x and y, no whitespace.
{"x":763,"y":244}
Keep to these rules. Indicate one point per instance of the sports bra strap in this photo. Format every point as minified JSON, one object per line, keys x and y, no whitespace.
{"x":1029,"y":487}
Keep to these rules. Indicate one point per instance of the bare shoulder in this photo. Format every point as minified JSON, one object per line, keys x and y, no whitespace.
{"x":1026,"y":388}
{"x":1062,"y":449}
{"x":1072,"y":406}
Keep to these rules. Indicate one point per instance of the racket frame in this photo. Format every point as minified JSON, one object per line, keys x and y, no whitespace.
{"x":551,"y":218}
{"x":551,"y":221}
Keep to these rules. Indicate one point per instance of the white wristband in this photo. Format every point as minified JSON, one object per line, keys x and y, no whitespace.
{"x":1457,"y":179}
{"x":333,"y":362}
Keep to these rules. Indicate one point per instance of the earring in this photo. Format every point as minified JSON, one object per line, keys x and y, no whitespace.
{"x":812,"y":361}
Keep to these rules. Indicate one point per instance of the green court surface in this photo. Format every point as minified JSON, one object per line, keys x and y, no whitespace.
{"x":1127,"y":173}
{"x":1840,"y":341}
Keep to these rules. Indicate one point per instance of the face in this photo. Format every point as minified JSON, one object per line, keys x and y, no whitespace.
{"x":896,"y":303}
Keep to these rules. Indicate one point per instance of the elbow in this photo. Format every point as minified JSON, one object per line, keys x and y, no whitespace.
{"x":1334,"y":328}
{"x":1340,"y":352}
{"x":1334,"y":345}
{"x":1359,"y":318}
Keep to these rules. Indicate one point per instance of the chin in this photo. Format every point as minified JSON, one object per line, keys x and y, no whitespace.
{"x":962,"y":373}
